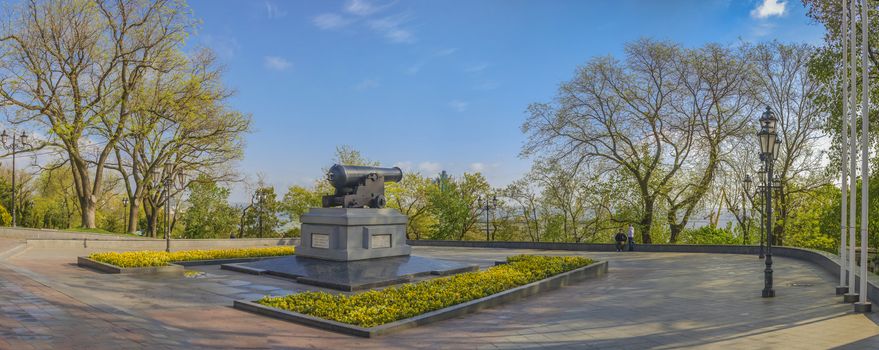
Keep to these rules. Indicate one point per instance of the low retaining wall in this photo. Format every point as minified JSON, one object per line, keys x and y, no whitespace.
{"x":35,"y":233}
{"x":155,"y":244}
{"x":595,"y":270}
{"x":826,"y":261}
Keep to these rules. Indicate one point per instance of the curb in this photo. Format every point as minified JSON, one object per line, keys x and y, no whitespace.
{"x":594,"y":270}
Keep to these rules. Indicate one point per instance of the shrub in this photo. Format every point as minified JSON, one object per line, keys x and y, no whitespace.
{"x":378,"y":307}
{"x":156,"y":258}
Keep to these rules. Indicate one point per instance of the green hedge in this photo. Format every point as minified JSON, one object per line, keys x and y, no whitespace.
{"x":377,"y":307}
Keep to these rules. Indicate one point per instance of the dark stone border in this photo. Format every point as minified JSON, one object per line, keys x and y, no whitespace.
{"x":826,"y":261}
{"x":175,"y":268}
{"x":596,"y":269}
{"x":83,"y":261}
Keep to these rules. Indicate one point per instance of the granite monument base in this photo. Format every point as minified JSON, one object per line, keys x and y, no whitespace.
{"x":349,"y":234}
{"x":351,"y":275}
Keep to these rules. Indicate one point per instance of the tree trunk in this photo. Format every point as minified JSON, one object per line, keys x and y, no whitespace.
{"x":647,"y":220}
{"x":88,"y":206}
{"x":132,"y":216}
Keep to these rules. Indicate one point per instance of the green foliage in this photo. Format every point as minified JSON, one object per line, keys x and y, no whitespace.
{"x":455,"y":205}
{"x":263,"y":218}
{"x":297,"y":200}
{"x":209,"y":214}
{"x":709,"y":235}
{"x":377,"y":307}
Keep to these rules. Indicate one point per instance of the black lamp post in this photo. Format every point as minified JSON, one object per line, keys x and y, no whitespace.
{"x":487,"y":206}
{"x":17,"y":141}
{"x":170,"y":176}
{"x":260,"y":201}
{"x":746,"y":198}
{"x":125,"y":214}
{"x":769,"y":149}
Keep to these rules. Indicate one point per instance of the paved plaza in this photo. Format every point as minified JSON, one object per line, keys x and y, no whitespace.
{"x":647,"y":301}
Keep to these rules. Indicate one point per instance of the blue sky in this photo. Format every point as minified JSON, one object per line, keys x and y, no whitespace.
{"x":432,"y":85}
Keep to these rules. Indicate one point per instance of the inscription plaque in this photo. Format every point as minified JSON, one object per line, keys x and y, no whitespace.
{"x":320,"y":240}
{"x":380,"y":241}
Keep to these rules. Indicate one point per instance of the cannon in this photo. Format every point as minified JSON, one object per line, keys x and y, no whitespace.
{"x":359,"y":186}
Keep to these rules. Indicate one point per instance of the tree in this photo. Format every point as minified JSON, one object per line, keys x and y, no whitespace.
{"x":455,"y":206}
{"x":620,"y":116}
{"x":208,"y":214}
{"x":717,"y":97}
{"x":182,"y":119}
{"x":71,"y":68}
{"x":262,"y":219}
{"x":410,"y":197}
{"x":784,"y":84}
{"x":297,"y":200}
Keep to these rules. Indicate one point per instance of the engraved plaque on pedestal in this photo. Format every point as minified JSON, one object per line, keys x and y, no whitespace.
{"x":380,"y":241}
{"x":320,"y":240}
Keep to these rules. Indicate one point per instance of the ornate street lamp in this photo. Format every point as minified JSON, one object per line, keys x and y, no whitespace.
{"x":171,"y":175}
{"x":769,"y":149}
{"x":125,"y":214}
{"x":17,"y":141}
{"x":746,"y":198}
{"x":487,"y":206}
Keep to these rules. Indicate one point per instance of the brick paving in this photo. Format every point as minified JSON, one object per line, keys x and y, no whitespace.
{"x":647,"y":301}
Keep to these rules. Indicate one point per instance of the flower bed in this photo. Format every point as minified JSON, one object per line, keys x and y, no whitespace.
{"x":158,"y":258}
{"x":379,"y":307}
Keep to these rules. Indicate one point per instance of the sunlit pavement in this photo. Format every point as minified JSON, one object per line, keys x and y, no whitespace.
{"x":647,"y":301}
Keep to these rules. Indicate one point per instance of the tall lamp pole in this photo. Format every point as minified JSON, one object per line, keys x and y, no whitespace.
{"x":487,"y":206}
{"x":746,"y":198}
{"x":770,"y":143}
{"x":125,"y":214}
{"x":170,"y":175}
{"x":17,"y":141}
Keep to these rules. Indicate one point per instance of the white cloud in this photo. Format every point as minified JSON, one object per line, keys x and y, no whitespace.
{"x":277,"y":63}
{"x":273,"y":11}
{"x":447,"y":51}
{"x":430,"y":168}
{"x":415,"y":68}
{"x":477,"y":167}
{"x":406,"y":166}
{"x":459,"y":105}
{"x":362,"y":7}
{"x":367,"y":84}
{"x":391,"y":28}
{"x":476,"y":68}
{"x":330,"y":21}
{"x":225,"y":46}
{"x":486,"y":85}
{"x":769,"y":8}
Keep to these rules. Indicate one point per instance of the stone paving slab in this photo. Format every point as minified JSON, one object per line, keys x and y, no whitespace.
{"x":647,"y":301}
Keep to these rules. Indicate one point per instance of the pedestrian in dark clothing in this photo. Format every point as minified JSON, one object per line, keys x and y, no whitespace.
{"x":620,"y":238}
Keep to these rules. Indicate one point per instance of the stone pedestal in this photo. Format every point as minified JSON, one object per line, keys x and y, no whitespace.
{"x":849,"y":298}
{"x":840,"y":290}
{"x":348,"y":234}
{"x":864,"y":307}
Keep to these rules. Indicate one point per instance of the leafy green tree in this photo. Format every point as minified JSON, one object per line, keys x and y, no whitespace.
{"x":455,"y":206}
{"x":208,"y":214}
{"x":262,"y":218}
{"x":410,"y":197}
{"x":297,"y":200}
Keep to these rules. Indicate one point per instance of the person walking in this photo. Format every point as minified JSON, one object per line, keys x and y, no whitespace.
{"x":620,"y":238}
{"x":631,"y":238}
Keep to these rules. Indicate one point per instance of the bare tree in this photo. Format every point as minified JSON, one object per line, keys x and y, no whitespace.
{"x":783,"y":83}
{"x":622,"y":115}
{"x":71,"y":67}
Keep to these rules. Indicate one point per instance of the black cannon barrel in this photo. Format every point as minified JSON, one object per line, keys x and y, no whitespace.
{"x":351,"y":175}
